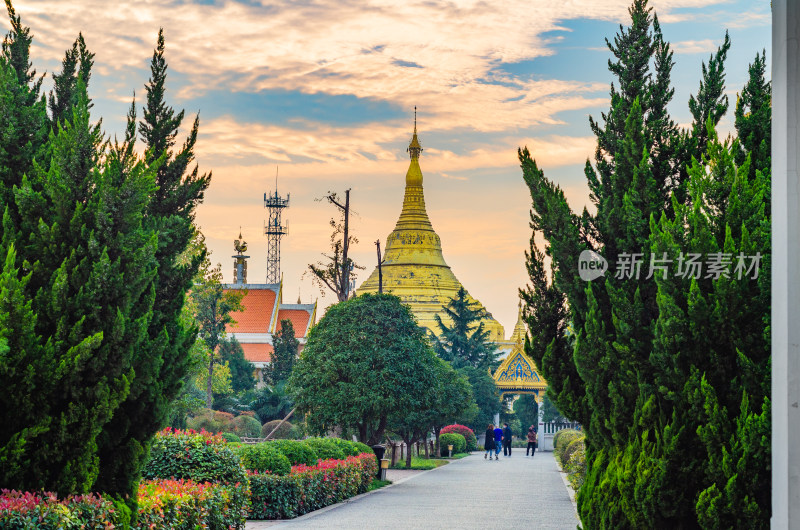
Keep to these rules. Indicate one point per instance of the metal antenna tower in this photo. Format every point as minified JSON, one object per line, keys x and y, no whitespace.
{"x":275,"y":204}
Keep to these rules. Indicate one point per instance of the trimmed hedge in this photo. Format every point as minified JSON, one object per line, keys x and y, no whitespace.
{"x":44,"y":510}
{"x":575,"y":462}
{"x":264,"y":458}
{"x":466,"y":432}
{"x":210,"y":420}
{"x":296,"y":451}
{"x":326,"y":448}
{"x":187,"y":504}
{"x":562,"y":439}
{"x":230,"y":437}
{"x":351,"y":448}
{"x":456,"y":440}
{"x":310,"y":488}
{"x":200,"y":457}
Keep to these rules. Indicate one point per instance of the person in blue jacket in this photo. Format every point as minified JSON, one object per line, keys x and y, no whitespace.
{"x":498,"y":441}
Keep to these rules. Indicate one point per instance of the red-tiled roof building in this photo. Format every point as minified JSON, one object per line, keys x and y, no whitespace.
{"x":261,"y":319}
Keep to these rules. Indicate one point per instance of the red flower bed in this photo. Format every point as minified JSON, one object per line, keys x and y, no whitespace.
{"x":309,"y":488}
{"x":20,"y":509}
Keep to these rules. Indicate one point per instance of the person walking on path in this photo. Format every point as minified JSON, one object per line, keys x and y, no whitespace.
{"x":507,"y":440}
{"x":532,"y":442}
{"x":498,"y":441}
{"x":488,"y":442}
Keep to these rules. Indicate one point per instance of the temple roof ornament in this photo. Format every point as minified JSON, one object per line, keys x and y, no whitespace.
{"x":413,"y":266}
{"x":518,"y":375}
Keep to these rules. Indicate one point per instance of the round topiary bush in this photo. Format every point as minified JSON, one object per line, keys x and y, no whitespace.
{"x":245,"y":426}
{"x":466,"y":432}
{"x":209,"y":420}
{"x":348,"y":448}
{"x":456,"y":440}
{"x":264,"y":458}
{"x":285,"y":431}
{"x":230,"y":437}
{"x":296,"y":451}
{"x":200,"y":457}
{"x":363,"y":448}
{"x":325,"y":448}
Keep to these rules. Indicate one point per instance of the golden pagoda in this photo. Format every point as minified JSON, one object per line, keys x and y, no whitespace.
{"x":413,"y":266}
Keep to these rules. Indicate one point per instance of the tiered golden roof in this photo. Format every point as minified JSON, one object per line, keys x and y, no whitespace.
{"x":413,"y":266}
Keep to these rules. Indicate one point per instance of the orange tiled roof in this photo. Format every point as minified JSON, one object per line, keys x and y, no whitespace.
{"x":257,"y":353}
{"x":299,"y":319}
{"x":259,"y":305}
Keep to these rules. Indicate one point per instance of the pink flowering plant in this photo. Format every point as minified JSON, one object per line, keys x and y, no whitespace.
{"x":466,"y":432}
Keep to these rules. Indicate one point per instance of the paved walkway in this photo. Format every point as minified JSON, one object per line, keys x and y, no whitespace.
{"x":515,"y":492}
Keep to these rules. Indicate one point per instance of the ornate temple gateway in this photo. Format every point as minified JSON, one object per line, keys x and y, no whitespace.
{"x":413,"y":266}
{"x":517,"y":374}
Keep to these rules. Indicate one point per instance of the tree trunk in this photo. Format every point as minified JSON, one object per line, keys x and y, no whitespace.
{"x":209,"y":383}
{"x":425,"y":441}
{"x":345,"y":286}
{"x":377,"y":436}
{"x":410,"y":445}
{"x":438,"y":450}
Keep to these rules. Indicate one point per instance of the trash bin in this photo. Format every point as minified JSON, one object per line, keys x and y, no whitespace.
{"x":379,"y":450}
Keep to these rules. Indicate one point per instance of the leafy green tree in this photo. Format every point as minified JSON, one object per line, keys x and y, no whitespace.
{"x":413,"y":424}
{"x":526,"y":410}
{"x":243,"y":377}
{"x":550,"y":411}
{"x":161,"y":364}
{"x":284,"y":353}
{"x":485,"y":395}
{"x":465,"y":342}
{"x":452,"y":400}
{"x":214,"y":307}
{"x":359,"y":365}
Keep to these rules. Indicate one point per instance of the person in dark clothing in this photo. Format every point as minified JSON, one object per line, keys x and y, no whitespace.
{"x":498,"y":441}
{"x":488,"y":443}
{"x":506,"y":440}
{"x":532,"y":442}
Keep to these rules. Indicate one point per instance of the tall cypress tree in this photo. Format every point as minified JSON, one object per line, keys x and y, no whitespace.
{"x":89,"y":270}
{"x":284,"y":353}
{"x":643,"y":389}
{"x":161,"y":364}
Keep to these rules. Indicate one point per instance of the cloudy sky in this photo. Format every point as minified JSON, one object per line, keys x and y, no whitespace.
{"x":324,"y":92}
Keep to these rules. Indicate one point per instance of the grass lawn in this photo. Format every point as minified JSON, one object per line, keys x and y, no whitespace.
{"x":420,"y":462}
{"x":377,"y":484}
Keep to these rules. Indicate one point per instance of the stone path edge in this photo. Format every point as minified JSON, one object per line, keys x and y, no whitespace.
{"x":570,"y":491}
{"x":313,"y":514}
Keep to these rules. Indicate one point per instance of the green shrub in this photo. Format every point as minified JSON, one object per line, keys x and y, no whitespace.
{"x":245,"y":426}
{"x":466,"y":432}
{"x":458,"y":442}
{"x":201,"y":457}
{"x":562,"y":439}
{"x":230,"y":437}
{"x":351,"y":448}
{"x":209,"y":420}
{"x":563,"y":432}
{"x":263,"y":458}
{"x":310,"y":488}
{"x":576,"y":468}
{"x":296,"y":451}
{"x":44,"y":510}
{"x":285,"y":431}
{"x":363,"y":448}
{"x":187,"y":504}
{"x":325,"y":448}
{"x":569,"y":450}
